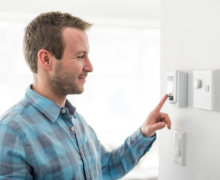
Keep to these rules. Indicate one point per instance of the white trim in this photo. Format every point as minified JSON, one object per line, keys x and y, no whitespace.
{"x":141,"y":23}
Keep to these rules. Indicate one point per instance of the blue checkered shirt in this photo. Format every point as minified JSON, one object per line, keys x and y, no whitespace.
{"x":41,"y":140}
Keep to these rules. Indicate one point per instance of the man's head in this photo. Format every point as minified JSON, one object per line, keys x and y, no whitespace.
{"x":56,"y":48}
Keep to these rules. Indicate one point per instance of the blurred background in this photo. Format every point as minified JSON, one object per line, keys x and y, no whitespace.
{"x":125,"y":52}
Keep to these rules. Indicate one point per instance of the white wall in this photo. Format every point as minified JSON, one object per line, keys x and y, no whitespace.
{"x":190,"y":40}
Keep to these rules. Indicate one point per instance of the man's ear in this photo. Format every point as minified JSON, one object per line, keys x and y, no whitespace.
{"x":45,"y":59}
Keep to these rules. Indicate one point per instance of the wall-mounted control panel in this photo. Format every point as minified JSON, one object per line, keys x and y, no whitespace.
{"x":177,"y":88}
{"x":206,"y":89}
{"x":179,"y":149}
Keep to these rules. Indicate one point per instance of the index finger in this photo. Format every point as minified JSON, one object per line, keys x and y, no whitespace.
{"x":160,"y":105}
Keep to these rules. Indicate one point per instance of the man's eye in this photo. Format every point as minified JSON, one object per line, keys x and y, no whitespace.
{"x":80,"y":56}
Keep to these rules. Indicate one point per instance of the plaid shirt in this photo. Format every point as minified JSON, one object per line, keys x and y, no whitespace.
{"x":41,"y":140}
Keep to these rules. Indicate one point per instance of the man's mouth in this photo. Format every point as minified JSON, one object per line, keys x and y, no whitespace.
{"x":83,"y":77}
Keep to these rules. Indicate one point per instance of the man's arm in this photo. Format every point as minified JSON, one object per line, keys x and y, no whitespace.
{"x":120,"y":161}
{"x":13,"y":163}
{"x":117,"y":163}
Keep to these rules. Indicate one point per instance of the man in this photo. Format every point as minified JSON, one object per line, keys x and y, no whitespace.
{"x":43,"y":137}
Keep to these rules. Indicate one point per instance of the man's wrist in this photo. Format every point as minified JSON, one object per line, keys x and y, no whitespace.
{"x":144,"y":133}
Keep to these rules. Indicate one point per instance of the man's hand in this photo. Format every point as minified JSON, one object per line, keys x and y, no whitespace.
{"x":156,"y":120}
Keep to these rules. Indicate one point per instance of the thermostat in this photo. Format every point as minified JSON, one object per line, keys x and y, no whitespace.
{"x":177,"y":88}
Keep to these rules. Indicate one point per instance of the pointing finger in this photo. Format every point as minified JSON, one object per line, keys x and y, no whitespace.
{"x":160,"y":105}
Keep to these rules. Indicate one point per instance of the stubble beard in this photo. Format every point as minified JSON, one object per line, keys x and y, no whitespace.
{"x":62,"y":83}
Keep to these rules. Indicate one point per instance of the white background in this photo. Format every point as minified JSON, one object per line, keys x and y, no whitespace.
{"x":125,"y":52}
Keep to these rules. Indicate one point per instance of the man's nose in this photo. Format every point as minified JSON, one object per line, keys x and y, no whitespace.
{"x":88,"y":66}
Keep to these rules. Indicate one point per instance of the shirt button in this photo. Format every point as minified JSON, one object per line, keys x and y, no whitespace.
{"x":63,"y":110}
{"x":72,"y":128}
{"x":82,"y":154}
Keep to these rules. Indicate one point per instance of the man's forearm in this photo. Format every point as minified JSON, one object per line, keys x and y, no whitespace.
{"x":120,"y":161}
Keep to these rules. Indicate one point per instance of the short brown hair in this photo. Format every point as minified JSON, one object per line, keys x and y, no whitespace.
{"x":45,"y":32}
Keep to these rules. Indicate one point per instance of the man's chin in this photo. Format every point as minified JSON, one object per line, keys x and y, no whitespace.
{"x":78,"y":91}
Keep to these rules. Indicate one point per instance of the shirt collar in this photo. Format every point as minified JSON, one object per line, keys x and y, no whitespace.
{"x":70,"y":107}
{"x":50,"y":109}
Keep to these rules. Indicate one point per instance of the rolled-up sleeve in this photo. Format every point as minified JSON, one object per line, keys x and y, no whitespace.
{"x":120,"y":161}
{"x":13,"y":164}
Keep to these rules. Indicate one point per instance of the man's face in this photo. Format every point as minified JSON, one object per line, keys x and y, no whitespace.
{"x":71,"y":71}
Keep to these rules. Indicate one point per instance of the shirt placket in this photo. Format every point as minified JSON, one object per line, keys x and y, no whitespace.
{"x":83,"y":154}
{"x":69,"y":123}
{"x":73,"y":134}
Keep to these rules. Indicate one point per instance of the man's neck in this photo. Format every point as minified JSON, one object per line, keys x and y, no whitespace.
{"x":46,"y":92}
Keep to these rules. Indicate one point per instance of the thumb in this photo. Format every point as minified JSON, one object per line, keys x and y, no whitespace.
{"x":155,"y":127}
